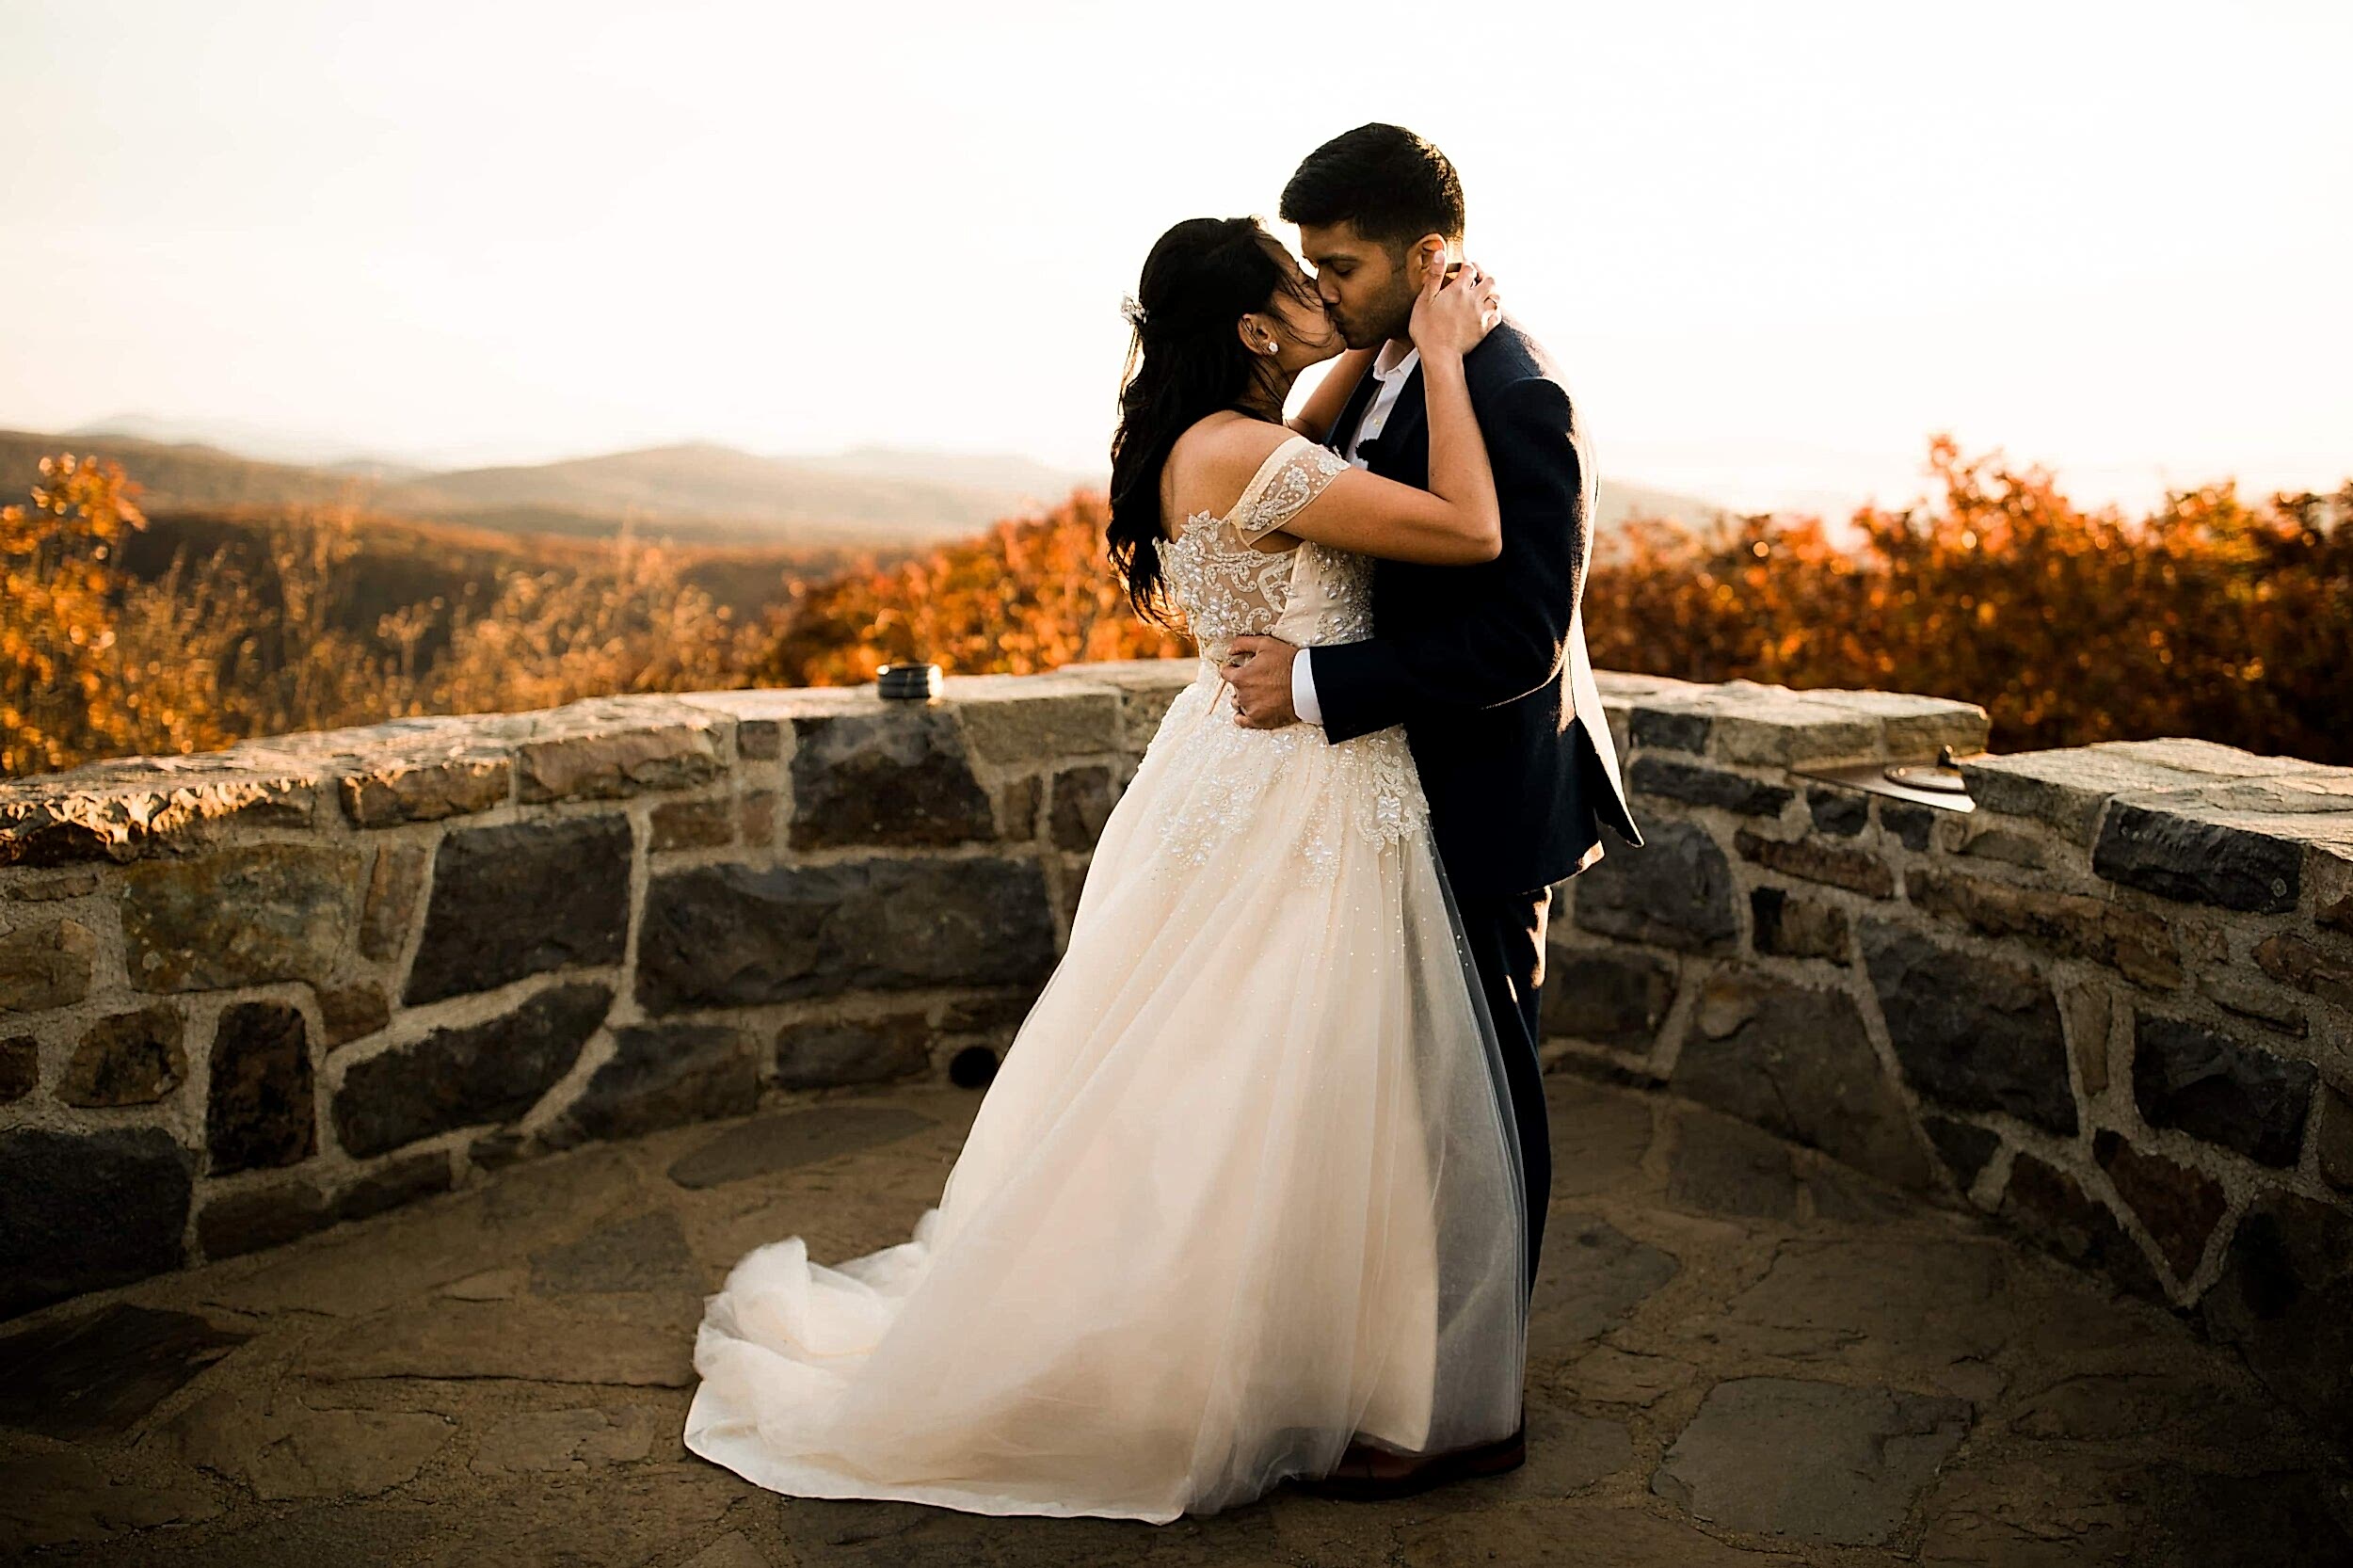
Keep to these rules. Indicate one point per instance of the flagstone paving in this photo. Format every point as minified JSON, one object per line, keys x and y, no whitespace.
{"x":1741,"y":1355}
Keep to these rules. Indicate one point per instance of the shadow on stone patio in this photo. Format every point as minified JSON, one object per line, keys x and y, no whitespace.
{"x":1743,"y":1353}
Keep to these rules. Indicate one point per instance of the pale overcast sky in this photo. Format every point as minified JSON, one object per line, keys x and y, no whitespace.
{"x":1775,"y":245}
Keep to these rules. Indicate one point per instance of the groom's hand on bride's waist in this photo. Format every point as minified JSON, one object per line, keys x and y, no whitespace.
{"x":1258,"y":672}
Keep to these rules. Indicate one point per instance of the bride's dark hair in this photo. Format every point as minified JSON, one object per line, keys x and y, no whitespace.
{"x":1186,"y":361}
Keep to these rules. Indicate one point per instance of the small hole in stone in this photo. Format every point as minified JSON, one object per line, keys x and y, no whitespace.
{"x":972,"y":1066}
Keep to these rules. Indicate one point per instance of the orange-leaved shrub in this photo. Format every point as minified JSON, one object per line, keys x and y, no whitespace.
{"x":286,"y":633}
{"x":2212,"y":617}
{"x":1028,"y":596}
{"x":59,"y":614}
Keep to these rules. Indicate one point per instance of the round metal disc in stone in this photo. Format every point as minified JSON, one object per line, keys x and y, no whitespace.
{"x":1928,"y":776}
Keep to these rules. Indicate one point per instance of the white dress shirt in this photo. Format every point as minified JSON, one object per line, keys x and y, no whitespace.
{"x":1390,"y":369}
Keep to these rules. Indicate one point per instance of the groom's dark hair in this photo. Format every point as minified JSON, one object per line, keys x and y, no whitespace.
{"x":1394,"y":187}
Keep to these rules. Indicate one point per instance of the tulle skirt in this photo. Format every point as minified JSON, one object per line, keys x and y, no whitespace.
{"x":1246,"y":1185}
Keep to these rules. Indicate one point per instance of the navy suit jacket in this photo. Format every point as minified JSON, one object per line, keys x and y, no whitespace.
{"x":1485,"y":666}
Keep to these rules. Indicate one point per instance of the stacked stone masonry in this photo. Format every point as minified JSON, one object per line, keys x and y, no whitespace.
{"x":2108,"y":1003}
{"x":248,"y":994}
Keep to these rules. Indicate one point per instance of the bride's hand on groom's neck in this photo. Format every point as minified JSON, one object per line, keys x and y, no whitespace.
{"x":1452,"y":316}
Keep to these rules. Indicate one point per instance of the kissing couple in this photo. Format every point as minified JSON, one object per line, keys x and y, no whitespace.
{"x":1257,"y":1193}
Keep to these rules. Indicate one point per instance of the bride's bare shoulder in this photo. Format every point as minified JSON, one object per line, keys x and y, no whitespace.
{"x":1213,"y":461}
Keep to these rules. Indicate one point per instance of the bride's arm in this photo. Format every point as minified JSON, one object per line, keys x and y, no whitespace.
{"x":1323,"y":406}
{"x":1453,"y":522}
{"x":1456,"y":520}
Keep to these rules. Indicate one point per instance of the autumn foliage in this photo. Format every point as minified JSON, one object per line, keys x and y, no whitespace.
{"x":57,"y":616}
{"x":1028,"y":596}
{"x":283,"y":634}
{"x":2214,"y":616}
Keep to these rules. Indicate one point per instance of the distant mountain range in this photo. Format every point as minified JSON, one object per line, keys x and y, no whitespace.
{"x":698,"y":492}
{"x":869,"y":496}
{"x":271,"y":444}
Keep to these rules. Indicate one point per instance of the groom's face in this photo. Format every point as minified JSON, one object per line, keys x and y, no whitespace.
{"x":1367,"y":291}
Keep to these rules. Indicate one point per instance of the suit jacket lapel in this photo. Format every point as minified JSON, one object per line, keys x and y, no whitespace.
{"x":1353,"y":411}
{"x":1404,"y":449}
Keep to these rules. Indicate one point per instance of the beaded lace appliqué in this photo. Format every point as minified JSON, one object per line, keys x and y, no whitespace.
{"x":1225,"y":588}
{"x":1346,"y":616}
{"x":1366,"y":786}
{"x":1300,"y":480}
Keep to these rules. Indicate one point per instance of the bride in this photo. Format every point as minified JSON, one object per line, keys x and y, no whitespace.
{"x":1247,"y":1186}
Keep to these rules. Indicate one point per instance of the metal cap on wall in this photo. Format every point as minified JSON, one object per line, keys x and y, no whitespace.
{"x":907,"y":682}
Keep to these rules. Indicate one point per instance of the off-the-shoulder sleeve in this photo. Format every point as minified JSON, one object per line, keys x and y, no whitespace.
{"x":1293,"y":474}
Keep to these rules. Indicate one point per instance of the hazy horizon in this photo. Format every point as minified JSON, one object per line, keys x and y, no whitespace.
{"x":271,"y":444}
{"x":1773,"y":250}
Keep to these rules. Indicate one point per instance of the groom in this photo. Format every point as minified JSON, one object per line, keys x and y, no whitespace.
{"x":1484,"y":666}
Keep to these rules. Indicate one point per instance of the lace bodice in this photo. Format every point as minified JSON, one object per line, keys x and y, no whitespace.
{"x":1227,"y":589}
{"x":1366,"y":788}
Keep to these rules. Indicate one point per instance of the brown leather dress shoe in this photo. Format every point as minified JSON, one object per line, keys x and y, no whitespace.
{"x":1366,"y":1474}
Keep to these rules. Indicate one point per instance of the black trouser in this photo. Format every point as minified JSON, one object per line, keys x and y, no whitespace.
{"x":1506,"y":934}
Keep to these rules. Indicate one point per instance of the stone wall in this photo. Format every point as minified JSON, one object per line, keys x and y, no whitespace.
{"x":2108,"y":999}
{"x":246,"y":995}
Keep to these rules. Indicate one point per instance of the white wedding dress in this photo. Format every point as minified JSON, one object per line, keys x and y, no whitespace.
{"x":1247,"y":1183}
